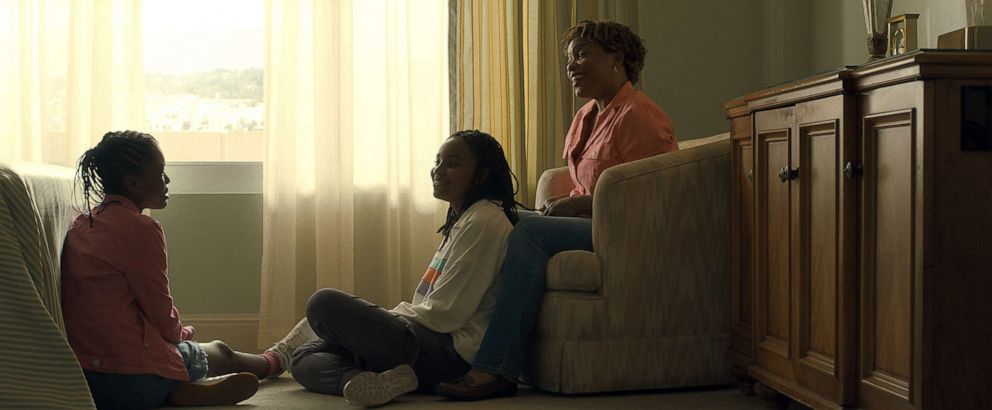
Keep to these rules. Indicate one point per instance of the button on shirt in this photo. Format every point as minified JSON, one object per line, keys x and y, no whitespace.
{"x":119,"y":313}
{"x":629,"y":128}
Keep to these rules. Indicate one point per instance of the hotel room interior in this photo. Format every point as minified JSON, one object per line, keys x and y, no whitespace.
{"x":821,"y":239}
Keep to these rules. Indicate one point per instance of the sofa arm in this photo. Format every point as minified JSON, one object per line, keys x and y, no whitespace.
{"x":661,"y":229}
{"x":574,"y":270}
{"x":554,"y":182}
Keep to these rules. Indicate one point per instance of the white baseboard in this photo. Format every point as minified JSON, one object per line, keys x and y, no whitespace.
{"x":240,"y":331}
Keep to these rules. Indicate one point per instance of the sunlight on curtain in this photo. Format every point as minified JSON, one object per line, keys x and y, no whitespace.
{"x":508,"y":75}
{"x":74,"y":72}
{"x":357,"y":107}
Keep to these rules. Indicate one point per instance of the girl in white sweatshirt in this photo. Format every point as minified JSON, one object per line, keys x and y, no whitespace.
{"x":371,"y":355}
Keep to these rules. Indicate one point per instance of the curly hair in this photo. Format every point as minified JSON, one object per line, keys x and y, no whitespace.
{"x":613,"y":37}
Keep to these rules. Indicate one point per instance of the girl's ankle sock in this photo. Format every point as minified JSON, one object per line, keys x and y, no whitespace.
{"x":274,"y":366}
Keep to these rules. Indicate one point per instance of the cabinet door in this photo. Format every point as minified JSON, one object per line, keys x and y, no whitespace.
{"x":742,"y":269}
{"x":823,"y":249}
{"x":773,"y":317}
{"x":891,"y":266}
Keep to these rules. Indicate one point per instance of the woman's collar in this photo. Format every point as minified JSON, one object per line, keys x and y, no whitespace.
{"x":625,"y":93}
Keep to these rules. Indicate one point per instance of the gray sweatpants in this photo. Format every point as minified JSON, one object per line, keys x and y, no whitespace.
{"x":358,"y":336}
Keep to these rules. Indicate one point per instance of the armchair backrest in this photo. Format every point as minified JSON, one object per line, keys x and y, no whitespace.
{"x":661,"y":230}
{"x":556,"y":181}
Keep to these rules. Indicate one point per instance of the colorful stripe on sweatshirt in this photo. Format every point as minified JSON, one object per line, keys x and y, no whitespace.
{"x":430,"y":276}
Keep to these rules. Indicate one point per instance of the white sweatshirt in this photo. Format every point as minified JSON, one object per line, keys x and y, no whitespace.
{"x":458,"y":292}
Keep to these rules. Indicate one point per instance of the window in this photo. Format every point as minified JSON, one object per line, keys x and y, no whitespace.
{"x":204,"y":80}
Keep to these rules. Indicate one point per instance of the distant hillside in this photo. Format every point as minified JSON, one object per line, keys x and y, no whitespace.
{"x":225,"y":84}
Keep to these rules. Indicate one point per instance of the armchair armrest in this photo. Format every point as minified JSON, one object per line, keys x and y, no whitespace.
{"x":661,"y":229}
{"x":554,"y":182}
{"x":574,"y":270}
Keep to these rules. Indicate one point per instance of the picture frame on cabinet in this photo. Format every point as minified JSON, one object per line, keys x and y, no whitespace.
{"x":902,"y":34}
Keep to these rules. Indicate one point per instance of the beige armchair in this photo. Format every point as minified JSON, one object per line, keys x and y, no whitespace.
{"x":649,"y":308}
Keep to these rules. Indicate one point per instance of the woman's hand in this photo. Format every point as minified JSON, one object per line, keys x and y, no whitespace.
{"x":579,"y":205}
{"x":548,"y":203}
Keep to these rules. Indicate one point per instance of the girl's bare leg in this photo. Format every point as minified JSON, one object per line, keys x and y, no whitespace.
{"x":222,"y":359}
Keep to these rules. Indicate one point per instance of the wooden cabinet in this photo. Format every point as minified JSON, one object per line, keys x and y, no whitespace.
{"x":773,"y":213}
{"x":891,"y":258}
{"x":823,"y":265}
{"x":741,"y":350}
{"x":863,"y":234}
{"x":804,"y":269}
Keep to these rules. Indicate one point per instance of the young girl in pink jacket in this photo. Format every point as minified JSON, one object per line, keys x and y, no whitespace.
{"x":120,"y":318}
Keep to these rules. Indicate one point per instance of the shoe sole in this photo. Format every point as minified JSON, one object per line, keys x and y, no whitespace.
{"x":375,"y":389}
{"x":230,"y":390}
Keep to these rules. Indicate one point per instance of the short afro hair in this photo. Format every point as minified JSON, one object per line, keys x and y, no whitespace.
{"x":613,"y":37}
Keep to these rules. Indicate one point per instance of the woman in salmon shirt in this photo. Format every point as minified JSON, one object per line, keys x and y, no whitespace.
{"x":619,"y":124}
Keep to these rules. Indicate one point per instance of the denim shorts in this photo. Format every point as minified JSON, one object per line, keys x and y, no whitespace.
{"x":144,"y":391}
{"x":195,"y":359}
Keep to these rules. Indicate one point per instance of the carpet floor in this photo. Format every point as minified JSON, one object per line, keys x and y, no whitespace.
{"x":284,"y":393}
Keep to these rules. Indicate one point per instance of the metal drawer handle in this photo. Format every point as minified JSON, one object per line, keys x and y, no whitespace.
{"x":852,"y":170}
{"x":786,"y":174}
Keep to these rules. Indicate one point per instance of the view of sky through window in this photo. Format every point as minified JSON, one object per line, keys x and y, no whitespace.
{"x":203,"y":65}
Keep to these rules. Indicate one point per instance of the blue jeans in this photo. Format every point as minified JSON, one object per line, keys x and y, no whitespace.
{"x":143,"y":391}
{"x":522,"y":281}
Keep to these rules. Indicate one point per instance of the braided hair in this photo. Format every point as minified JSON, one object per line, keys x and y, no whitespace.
{"x":498,"y":187}
{"x":613,"y":37}
{"x":102,"y":169}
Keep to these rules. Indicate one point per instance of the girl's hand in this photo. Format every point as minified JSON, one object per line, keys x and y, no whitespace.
{"x":188,"y":332}
{"x":580,"y":205}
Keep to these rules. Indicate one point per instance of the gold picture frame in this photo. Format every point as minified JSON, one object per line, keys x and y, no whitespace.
{"x":902,"y":34}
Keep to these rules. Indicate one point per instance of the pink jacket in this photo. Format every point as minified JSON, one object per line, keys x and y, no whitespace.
{"x":116,"y":302}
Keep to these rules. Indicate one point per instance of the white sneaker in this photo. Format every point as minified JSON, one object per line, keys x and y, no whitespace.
{"x":301,"y":334}
{"x":373,"y":389}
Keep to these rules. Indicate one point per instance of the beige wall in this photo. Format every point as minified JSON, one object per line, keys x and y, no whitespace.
{"x":704,"y":53}
{"x":936,"y":17}
{"x":837,"y":35}
{"x":215,"y":246}
{"x":700,"y":54}
{"x":840,"y":38}
{"x":213,"y":225}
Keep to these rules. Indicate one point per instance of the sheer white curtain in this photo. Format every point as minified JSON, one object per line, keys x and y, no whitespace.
{"x":72,"y":72}
{"x":357,"y":105}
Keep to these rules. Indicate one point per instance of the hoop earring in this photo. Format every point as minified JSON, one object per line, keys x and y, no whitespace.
{"x":614,"y":68}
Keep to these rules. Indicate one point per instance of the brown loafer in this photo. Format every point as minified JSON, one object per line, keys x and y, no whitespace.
{"x":466,"y":389}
